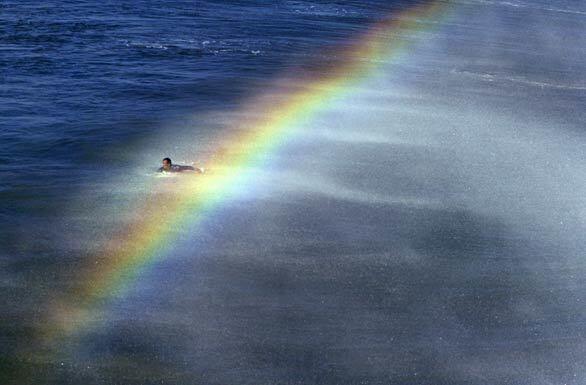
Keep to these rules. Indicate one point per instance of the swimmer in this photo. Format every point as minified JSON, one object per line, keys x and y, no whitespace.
{"x":168,"y":166}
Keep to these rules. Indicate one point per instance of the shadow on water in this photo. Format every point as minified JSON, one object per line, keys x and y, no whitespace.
{"x":326,"y":292}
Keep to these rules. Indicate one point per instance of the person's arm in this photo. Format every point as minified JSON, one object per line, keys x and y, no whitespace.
{"x":160,"y":169}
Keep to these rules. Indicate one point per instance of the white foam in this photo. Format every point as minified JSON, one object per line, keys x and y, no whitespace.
{"x":490,"y":77}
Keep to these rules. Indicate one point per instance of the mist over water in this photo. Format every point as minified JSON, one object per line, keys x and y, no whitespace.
{"x":426,"y":226}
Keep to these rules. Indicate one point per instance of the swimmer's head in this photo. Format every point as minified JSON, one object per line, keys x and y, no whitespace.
{"x":167,"y":164}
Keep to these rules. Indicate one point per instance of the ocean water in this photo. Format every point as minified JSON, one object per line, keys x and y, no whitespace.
{"x":423,"y":225}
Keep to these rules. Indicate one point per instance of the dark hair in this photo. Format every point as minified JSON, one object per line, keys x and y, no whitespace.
{"x":168,"y":160}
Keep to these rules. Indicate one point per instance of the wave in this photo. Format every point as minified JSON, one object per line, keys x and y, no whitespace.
{"x":524,"y":5}
{"x":489,"y":77}
{"x":316,"y":9}
{"x":202,"y":46}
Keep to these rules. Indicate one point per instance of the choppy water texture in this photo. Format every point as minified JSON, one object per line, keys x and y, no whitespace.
{"x":422,"y":223}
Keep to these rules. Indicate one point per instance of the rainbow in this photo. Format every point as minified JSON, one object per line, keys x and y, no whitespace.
{"x":274,"y":118}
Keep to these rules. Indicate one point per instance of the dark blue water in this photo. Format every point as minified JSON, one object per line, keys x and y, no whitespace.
{"x":82,"y":79}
